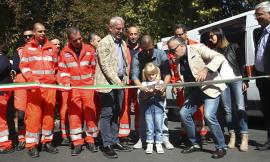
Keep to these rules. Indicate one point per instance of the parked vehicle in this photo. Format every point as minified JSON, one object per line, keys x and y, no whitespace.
{"x":238,"y":29}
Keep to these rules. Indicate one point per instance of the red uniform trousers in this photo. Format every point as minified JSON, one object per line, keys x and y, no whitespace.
{"x":129,"y":98}
{"x":4,"y":142}
{"x":62,"y":97}
{"x":39,"y":116}
{"x":81,"y":109}
{"x":20,"y":103}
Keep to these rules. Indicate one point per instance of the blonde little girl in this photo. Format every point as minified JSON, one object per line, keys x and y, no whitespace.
{"x":154,"y":109}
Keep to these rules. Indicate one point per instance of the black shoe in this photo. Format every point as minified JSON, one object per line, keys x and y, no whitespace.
{"x":190,"y":149}
{"x":219,"y":153}
{"x":120,"y":148}
{"x":76,"y":150}
{"x":6,"y":151}
{"x":124,"y":141}
{"x":91,"y":147}
{"x":264,"y":147}
{"x":109,"y":152}
{"x":48,"y":147}
{"x":20,"y":146}
{"x":33,"y":152}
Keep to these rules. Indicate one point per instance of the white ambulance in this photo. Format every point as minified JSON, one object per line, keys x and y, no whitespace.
{"x":238,"y":29}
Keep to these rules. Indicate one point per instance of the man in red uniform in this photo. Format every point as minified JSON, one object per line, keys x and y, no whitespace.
{"x":133,"y":34}
{"x":38,"y":64}
{"x":180,"y":30}
{"x":62,"y":97}
{"x":5,"y":68}
{"x":20,"y":96}
{"x":77,"y":68}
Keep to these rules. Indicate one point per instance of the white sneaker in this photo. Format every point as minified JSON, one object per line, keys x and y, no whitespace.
{"x":149,"y":149}
{"x":138,"y":145}
{"x":168,"y":144}
{"x":159,"y":148}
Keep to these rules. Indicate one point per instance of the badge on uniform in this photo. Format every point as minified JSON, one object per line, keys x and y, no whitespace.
{"x":50,"y":50}
{"x":87,"y":53}
{"x":67,"y":55}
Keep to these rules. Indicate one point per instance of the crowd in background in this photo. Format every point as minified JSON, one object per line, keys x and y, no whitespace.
{"x":87,"y":116}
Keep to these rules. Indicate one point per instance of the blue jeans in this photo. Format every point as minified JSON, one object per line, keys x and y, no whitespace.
{"x":195,"y":99}
{"x":235,"y":89}
{"x":142,"y":122}
{"x":154,"y":122}
{"x":111,"y":104}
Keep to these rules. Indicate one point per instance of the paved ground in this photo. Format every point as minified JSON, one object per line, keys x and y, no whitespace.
{"x":257,"y":135}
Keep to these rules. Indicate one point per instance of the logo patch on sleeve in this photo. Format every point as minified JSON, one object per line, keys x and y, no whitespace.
{"x":68,"y":55}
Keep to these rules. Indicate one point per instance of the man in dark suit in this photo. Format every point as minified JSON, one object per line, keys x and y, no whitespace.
{"x":262,"y":63}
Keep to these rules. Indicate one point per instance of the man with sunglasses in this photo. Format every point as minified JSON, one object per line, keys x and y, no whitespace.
{"x":20,"y":99}
{"x":198,"y":63}
{"x":139,"y":60}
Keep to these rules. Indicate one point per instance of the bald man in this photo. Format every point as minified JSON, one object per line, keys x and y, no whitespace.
{"x":38,"y":64}
{"x":57,"y":44}
{"x":160,"y":59}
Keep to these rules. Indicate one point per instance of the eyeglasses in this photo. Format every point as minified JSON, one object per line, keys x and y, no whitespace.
{"x":28,"y":36}
{"x":174,"y":49}
{"x":180,"y":34}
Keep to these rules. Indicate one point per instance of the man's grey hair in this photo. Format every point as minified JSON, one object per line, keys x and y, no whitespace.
{"x":115,"y":19}
{"x":264,"y":5}
{"x":72,"y":30}
{"x":179,"y":40}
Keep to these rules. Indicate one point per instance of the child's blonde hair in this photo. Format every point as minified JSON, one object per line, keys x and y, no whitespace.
{"x":150,"y":68}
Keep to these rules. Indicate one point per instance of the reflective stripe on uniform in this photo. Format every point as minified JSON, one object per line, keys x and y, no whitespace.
{"x":31,"y":140}
{"x":33,"y":135}
{"x":43,"y":72}
{"x":63,"y":65}
{"x":4,"y":133}
{"x":64,"y":74}
{"x":46,"y":132}
{"x":75,"y":131}
{"x":83,"y":63}
{"x":21,"y":136}
{"x":124,"y":131}
{"x":72,"y":64}
{"x":47,"y":137}
{"x":124,"y":126}
{"x":91,"y":130}
{"x":4,"y":139}
{"x":49,"y":58}
{"x":86,"y":76}
{"x":24,"y":70}
{"x":75,"y":137}
{"x":24,"y":59}
{"x":95,"y":134}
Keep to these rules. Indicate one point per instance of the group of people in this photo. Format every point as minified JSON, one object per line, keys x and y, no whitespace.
{"x":85,"y":114}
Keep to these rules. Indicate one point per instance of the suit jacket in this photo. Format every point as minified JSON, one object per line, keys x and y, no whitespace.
{"x":107,"y":67}
{"x":200,"y":56}
{"x":257,"y":35}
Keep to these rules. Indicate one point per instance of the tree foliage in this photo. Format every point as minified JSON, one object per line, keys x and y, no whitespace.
{"x":155,"y":17}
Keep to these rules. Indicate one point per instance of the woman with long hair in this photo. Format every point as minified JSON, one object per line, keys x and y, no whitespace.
{"x":220,"y":43}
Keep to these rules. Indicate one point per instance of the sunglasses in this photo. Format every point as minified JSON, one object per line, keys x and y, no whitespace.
{"x":28,"y":36}
{"x":174,"y":49}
